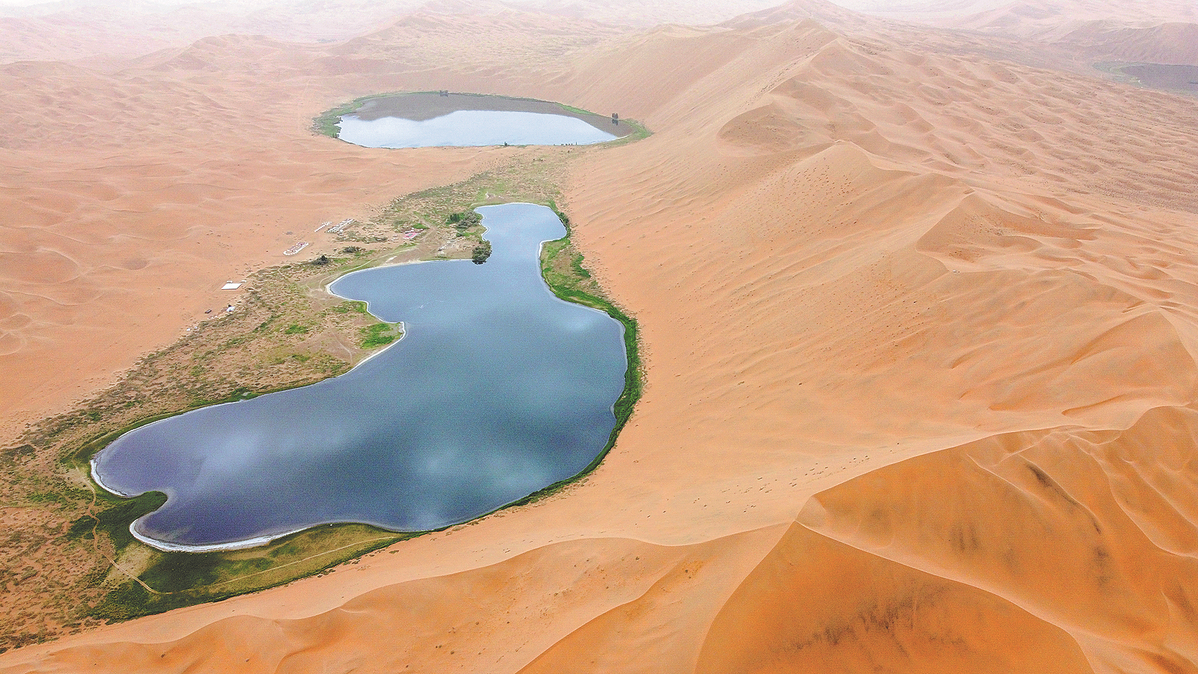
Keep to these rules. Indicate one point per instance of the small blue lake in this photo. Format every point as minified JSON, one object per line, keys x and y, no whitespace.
{"x":468,"y":128}
{"x":497,"y":390}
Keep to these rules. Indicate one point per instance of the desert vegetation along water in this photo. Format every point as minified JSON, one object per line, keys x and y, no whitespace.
{"x":497,"y":390}
{"x":285,"y":331}
{"x":916,"y":299}
{"x":422,"y":106}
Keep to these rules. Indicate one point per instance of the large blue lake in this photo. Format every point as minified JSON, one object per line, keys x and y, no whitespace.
{"x":497,"y":389}
{"x":464,"y":128}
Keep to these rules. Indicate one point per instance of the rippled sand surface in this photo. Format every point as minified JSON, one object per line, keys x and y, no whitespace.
{"x":919,"y":323}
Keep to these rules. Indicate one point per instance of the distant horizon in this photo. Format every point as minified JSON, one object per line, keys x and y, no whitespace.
{"x":251,"y":5}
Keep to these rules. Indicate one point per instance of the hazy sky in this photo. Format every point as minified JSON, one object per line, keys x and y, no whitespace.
{"x":883,"y":5}
{"x":243,"y":7}
{"x":852,"y":4}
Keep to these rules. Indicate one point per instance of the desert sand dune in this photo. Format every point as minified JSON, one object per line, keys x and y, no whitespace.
{"x":1171,"y":43}
{"x":106,"y":33}
{"x":455,"y":621}
{"x":164,"y":194}
{"x":920,"y":330}
{"x":1040,"y":19}
{"x":1075,"y":35}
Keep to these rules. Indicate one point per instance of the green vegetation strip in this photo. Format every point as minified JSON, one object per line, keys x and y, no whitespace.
{"x":179,"y":579}
{"x":76,"y":565}
{"x":379,"y":334}
{"x":562,"y":267}
{"x":176,"y":579}
{"x":326,"y":123}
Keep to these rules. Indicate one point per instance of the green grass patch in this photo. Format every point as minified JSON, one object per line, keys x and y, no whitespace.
{"x":112,"y":516}
{"x":573,"y":283}
{"x":379,"y":334}
{"x":326,"y":123}
{"x":350,"y":306}
{"x":639,"y":132}
{"x":178,"y":579}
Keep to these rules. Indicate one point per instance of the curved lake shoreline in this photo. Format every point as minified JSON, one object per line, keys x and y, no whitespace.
{"x":419,"y":107}
{"x":601,"y":436}
{"x":424,"y":106}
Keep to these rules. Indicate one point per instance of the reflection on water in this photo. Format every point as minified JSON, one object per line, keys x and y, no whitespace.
{"x":1164,"y":76}
{"x":471,"y":128}
{"x":497,"y":390}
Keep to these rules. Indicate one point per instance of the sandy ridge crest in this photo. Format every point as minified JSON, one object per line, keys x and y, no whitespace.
{"x":920,"y":333}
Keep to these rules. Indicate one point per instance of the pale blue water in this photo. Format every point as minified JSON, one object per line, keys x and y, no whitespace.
{"x":497,"y":390}
{"x":466,"y":128}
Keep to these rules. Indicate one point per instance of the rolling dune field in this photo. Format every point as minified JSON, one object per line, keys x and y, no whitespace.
{"x":919,"y":323}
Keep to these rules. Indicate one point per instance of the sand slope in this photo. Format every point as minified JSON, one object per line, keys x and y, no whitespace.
{"x":920,"y":329}
{"x":177,"y":180}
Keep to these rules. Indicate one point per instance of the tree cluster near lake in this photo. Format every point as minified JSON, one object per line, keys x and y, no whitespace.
{"x":464,"y":220}
{"x":481,"y":252}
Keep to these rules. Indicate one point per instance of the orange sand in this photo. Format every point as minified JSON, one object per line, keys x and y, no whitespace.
{"x":920,"y":326}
